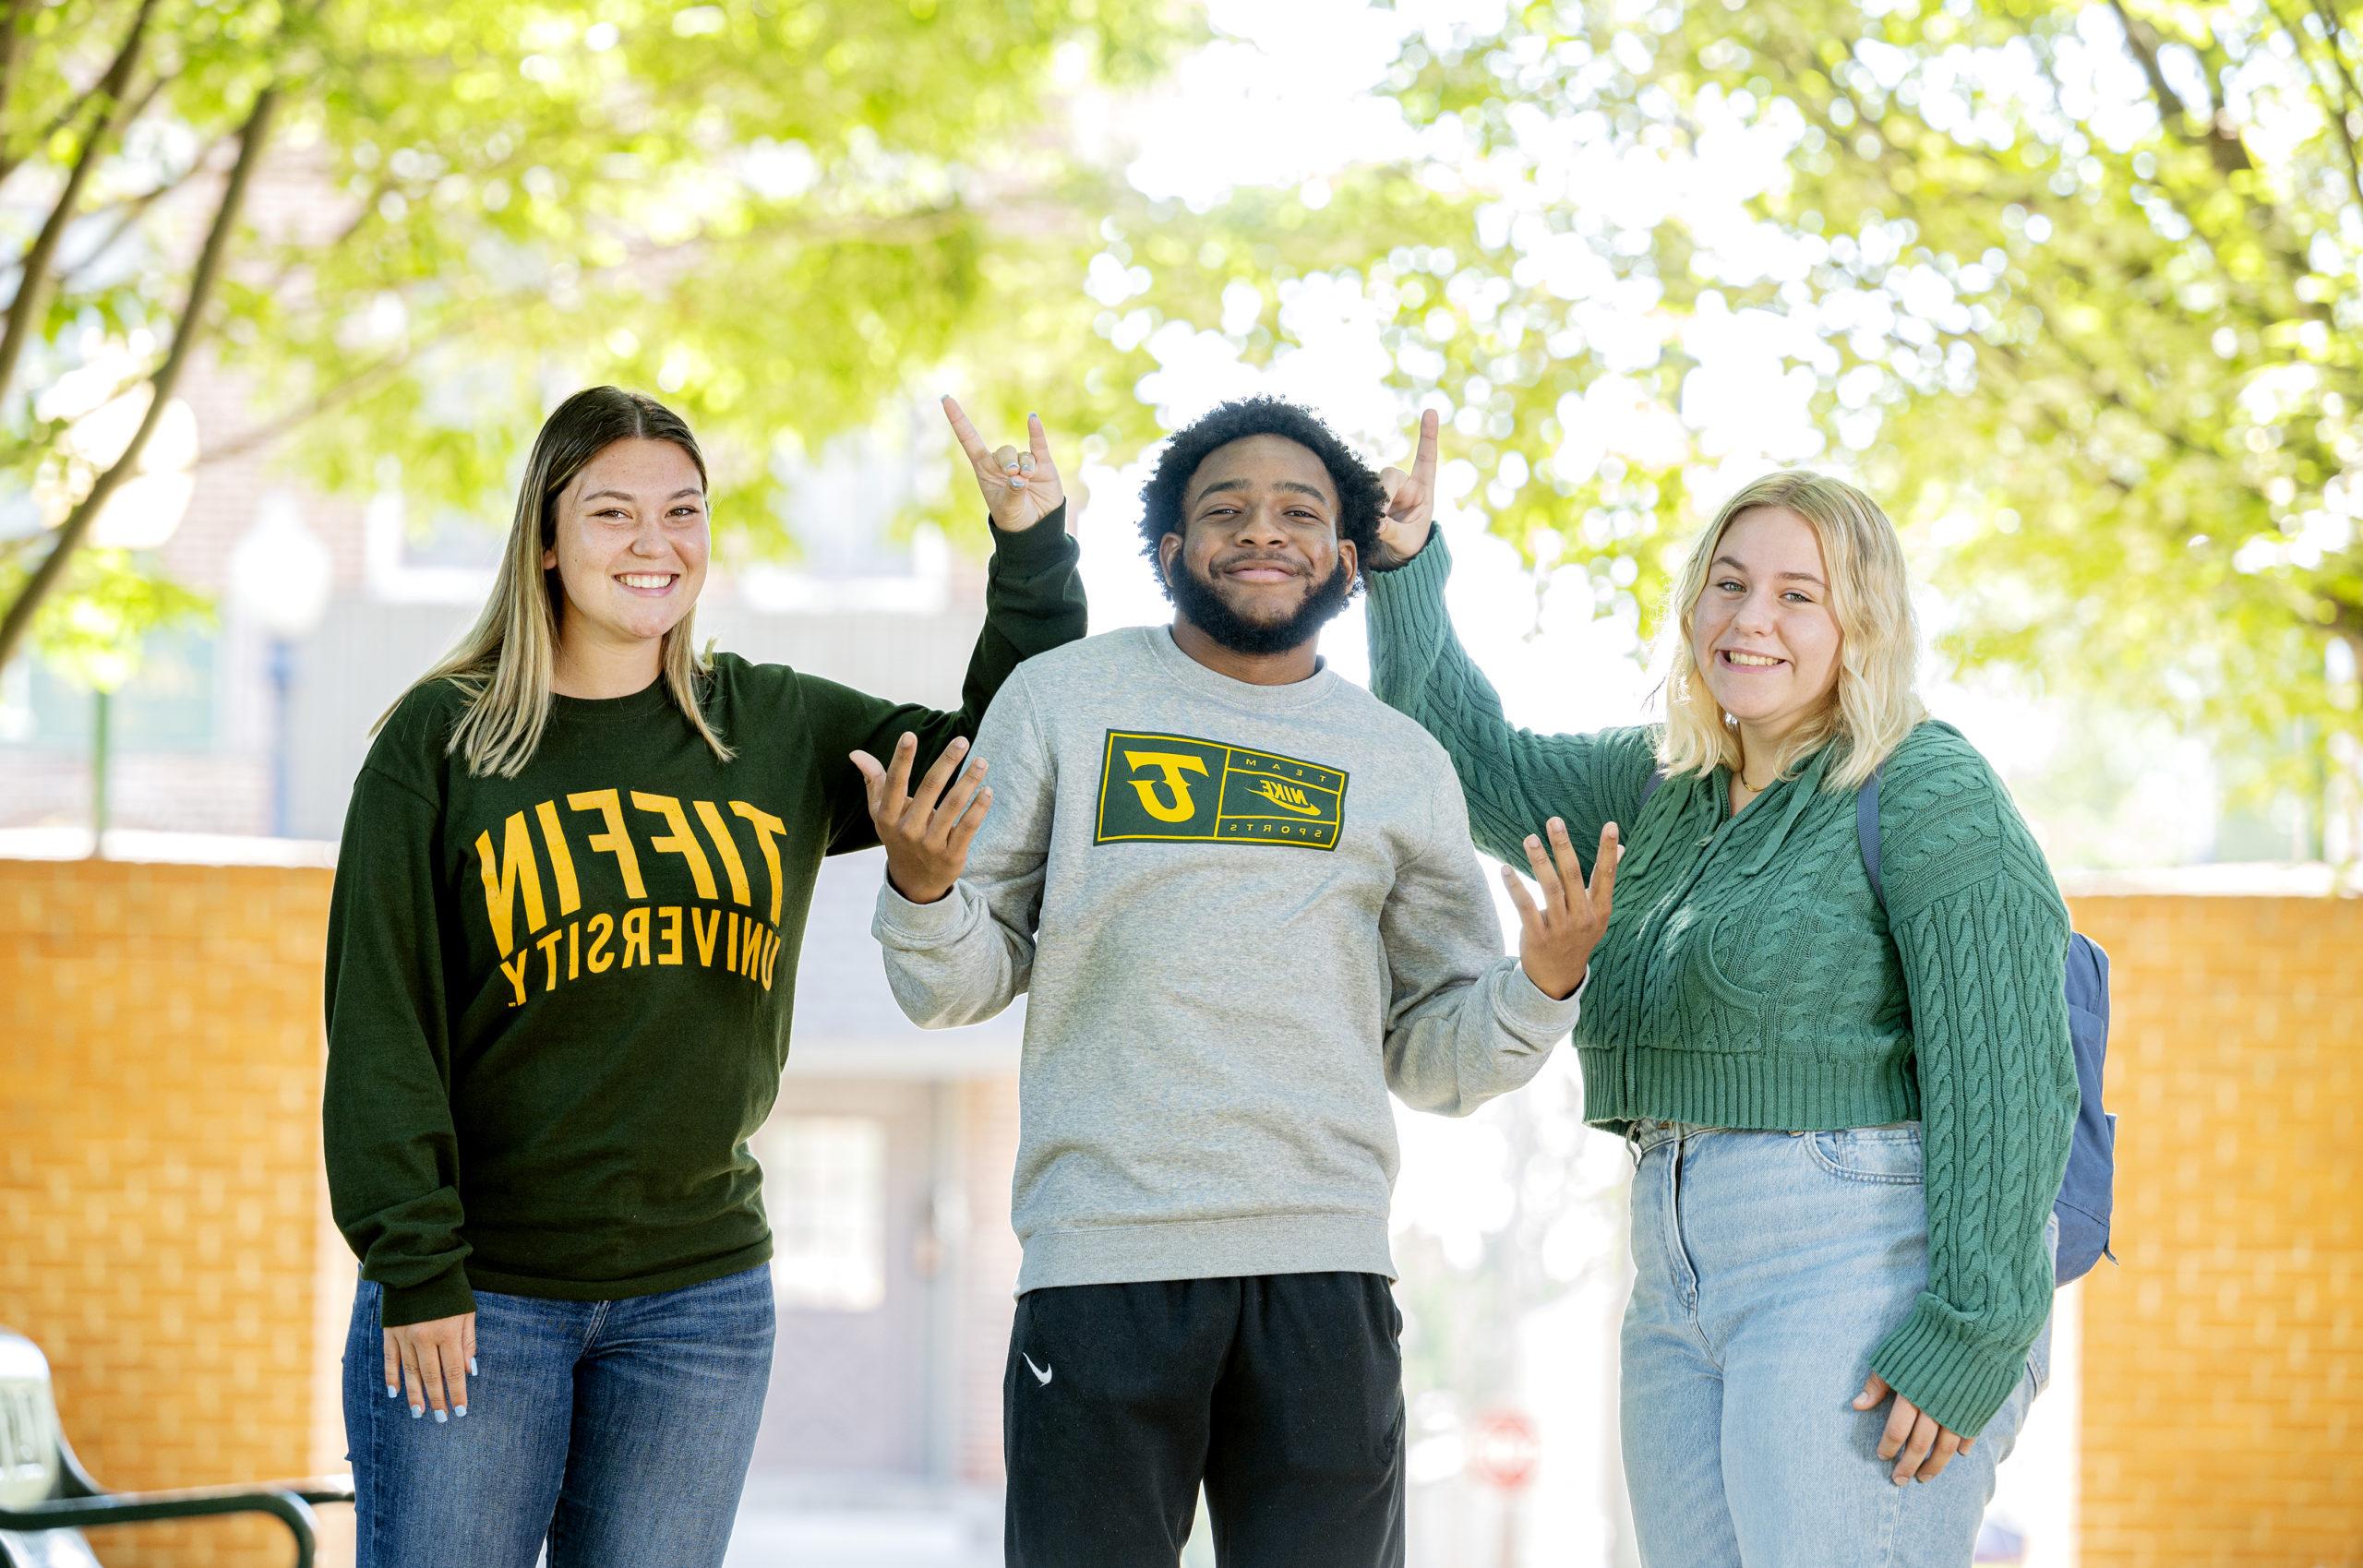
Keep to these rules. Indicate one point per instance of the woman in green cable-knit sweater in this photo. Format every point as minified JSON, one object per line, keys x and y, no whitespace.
{"x":1850,"y":1118}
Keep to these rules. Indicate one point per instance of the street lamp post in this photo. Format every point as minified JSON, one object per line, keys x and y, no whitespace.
{"x":281,"y":575}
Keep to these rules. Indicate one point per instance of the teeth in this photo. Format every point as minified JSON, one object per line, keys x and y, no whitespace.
{"x":1753,"y":661}
{"x":647,"y":579}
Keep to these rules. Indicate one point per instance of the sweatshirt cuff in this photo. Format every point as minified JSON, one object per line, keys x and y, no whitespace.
{"x":1948,"y":1366}
{"x":444,"y":1295}
{"x":1029,"y":549}
{"x":900,"y":923}
{"x":1530,"y":1015}
{"x":1406,"y":605}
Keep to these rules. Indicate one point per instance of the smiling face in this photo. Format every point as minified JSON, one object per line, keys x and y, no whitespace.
{"x":1259,"y":565}
{"x":1762,"y":632}
{"x":629,"y":544}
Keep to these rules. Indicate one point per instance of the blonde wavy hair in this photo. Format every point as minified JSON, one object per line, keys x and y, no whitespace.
{"x":1876,"y":703}
{"x":505,"y":664}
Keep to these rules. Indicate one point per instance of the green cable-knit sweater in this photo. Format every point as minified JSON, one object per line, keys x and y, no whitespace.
{"x":1750,"y":978}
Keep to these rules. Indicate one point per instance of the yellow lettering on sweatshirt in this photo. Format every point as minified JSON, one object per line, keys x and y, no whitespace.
{"x":726,"y":846}
{"x":768,"y":830}
{"x":549,"y":957}
{"x":511,"y":872}
{"x":678,"y":840}
{"x":514,"y":970}
{"x":570,"y":895}
{"x":615,"y":841}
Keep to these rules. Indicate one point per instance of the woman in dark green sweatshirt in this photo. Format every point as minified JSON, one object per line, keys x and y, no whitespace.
{"x":561,"y":959}
{"x":1850,"y":1114}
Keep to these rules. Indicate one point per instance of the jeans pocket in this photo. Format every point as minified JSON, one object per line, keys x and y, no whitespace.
{"x":1882,"y":1155}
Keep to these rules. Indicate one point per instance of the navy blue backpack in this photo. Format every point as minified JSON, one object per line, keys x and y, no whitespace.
{"x":2086,"y":1192}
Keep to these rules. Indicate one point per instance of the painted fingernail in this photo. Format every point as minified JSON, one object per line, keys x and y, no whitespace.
{"x":459,"y":1410}
{"x":416,"y":1411}
{"x":441,"y":1417}
{"x":471,"y":1366}
{"x":394,"y":1391}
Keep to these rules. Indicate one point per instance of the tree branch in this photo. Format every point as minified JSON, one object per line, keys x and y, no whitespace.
{"x":129,"y":210}
{"x":2342,"y":128}
{"x":32,"y":272}
{"x":901,"y":228}
{"x":106,"y":96}
{"x":17,"y":622}
{"x":9,"y":40}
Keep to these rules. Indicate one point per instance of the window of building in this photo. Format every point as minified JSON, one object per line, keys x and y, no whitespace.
{"x":824,"y":1188}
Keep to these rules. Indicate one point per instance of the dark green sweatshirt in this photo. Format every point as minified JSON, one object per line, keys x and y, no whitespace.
{"x":559,"y":1004}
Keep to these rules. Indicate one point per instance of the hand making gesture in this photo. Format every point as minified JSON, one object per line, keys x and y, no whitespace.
{"x":1410,"y":503}
{"x":926,"y":835}
{"x":1021,"y":488}
{"x":1556,"y":938}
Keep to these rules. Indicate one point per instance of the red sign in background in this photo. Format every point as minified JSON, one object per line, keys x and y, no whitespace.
{"x":1504,"y":1449}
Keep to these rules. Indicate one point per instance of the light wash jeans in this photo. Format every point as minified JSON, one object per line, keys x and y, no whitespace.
{"x":1770,"y":1266}
{"x":620,"y":1431}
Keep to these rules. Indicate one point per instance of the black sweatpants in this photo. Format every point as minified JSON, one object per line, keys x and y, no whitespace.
{"x":1283,"y":1393}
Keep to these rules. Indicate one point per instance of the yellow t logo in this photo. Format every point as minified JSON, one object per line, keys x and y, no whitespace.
{"x":1172,"y":764}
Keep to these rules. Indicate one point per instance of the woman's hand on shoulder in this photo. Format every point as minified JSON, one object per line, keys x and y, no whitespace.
{"x":1021,"y":488}
{"x":430,"y":1363}
{"x":927,"y":835}
{"x":1410,"y":503}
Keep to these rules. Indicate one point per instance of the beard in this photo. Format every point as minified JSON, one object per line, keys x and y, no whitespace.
{"x":1202,"y":603}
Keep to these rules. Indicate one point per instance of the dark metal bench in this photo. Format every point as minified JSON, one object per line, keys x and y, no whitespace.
{"x":47,"y":1499}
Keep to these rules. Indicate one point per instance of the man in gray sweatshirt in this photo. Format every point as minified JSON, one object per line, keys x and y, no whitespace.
{"x":1241,"y":894}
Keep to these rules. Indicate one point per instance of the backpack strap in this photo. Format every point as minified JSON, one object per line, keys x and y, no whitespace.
{"x":1866,"y":831}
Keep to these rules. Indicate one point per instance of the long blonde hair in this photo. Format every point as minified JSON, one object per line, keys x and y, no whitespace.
{"x":1876,"y":703}
{"x":504,"y":665}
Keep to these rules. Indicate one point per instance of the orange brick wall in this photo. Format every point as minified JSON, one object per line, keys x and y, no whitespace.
{"x":161,"y":1202}
{"x":2222,"y":1362}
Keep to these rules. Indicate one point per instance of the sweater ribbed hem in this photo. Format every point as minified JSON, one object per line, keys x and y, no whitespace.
{"x":1209,"y":1249}
{"x":446,"y":1296}
{"x":1043,"y":545}
{"x":1950,"y":1367}
{"x":1766,"y":1093}
{"x":736,"y":1260}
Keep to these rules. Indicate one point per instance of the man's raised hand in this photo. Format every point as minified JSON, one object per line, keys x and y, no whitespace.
{"x":926,"y":837}
{"x":1410,"y":502}
{"x":1020,"y":487}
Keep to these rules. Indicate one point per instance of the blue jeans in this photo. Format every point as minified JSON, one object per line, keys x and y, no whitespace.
{"x":1769,"y":1266}
{"x":619,"y":1431}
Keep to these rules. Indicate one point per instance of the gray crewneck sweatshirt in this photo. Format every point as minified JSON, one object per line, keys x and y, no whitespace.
{"x":1242,"y":913}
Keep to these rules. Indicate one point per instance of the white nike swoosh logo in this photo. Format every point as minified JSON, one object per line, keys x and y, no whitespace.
{"x":1041,"y":1374}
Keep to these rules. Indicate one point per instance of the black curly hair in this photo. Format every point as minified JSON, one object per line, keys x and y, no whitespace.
{"x":1359,"y":501}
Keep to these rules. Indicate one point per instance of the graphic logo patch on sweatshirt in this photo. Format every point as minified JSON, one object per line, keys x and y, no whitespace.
{"x":1182,"y":790}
